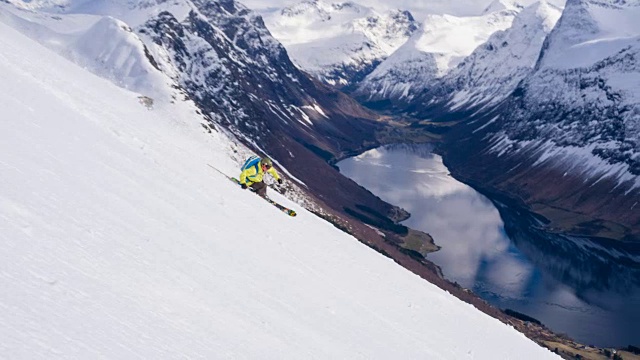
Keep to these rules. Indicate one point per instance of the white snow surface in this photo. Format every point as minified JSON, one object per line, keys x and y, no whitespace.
{"x":119,"y":55}
{"x":592,"y":31}
{"x":453,"y":38}
{"x":118,"y":241}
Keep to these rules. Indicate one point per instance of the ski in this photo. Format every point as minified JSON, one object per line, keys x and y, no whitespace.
{"x":282,"y":208}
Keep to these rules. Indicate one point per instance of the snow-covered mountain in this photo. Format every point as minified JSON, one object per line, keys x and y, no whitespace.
{"x":340,"y":42}
{"x":118,"y":241}
{"x":494,"y":69}
{"x":442,"y":42}
{"x":121,"y":56}
{"x":220,"y":55}
{"x":568,"y":139}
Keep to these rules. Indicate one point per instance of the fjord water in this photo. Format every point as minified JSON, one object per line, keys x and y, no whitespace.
{"x":587,"y":289}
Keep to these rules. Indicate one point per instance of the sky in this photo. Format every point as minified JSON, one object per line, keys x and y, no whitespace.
{"x":118,"y":241}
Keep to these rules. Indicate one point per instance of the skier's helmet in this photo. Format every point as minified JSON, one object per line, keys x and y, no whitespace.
{"x":267,"y":162}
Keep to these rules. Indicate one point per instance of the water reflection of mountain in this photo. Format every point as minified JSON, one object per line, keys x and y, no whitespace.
{"x":586,"y":288}
{"x":589,"y":266}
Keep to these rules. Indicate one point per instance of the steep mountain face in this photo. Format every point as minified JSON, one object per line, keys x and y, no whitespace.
{"x":339,"y":43}
{"x":442,"y":43}
{"x":494,"y":69}
{"x":263,"y":97}
{"x":567,"y":141}
{"x":221,"y":55}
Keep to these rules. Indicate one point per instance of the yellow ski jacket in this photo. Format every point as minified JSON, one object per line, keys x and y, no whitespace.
{"x":255,"y":174}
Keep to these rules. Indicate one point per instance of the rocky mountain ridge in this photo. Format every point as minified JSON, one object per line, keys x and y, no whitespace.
{"x":220,"y":55}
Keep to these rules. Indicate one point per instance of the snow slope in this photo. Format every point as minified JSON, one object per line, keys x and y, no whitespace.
{"x":591,"y":31}
{"x":120,"y":56}
{"x":118,"y":241}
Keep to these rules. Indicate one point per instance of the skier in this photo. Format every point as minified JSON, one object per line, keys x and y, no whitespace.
{"x":253,"y":172}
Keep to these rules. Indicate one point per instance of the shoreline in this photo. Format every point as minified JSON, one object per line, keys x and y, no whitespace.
{"x":537,"y":332}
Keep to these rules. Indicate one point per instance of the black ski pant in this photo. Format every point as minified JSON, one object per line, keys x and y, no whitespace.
{"x":260,"y":188}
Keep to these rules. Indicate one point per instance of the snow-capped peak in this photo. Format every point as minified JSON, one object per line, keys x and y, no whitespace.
{"x":388,"y":30}
{"x":319,"y":10}
{"x":339,"y":42}
{"x":119,"y":55}
{"x":545,"y":10}
{"x":590,"y":31}
{"x":440,"y":44}
{"x":500,"y":5}
{"x":494,"y":69}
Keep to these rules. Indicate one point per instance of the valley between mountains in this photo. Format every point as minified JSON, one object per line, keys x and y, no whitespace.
{"x":536,"y":102}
